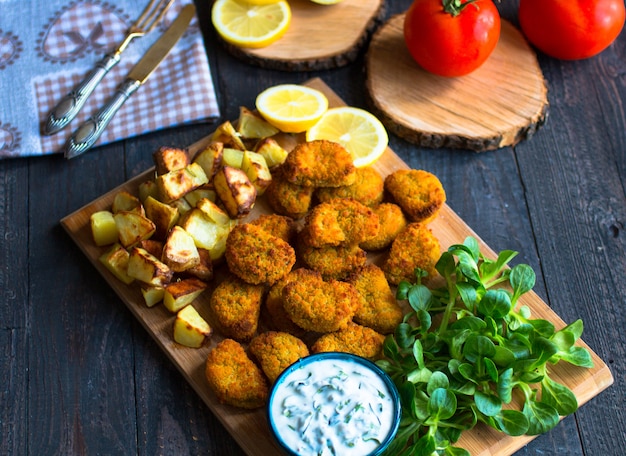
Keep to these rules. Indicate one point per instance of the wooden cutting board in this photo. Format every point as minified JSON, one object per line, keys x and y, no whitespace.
{"x":319,"y":37}
{"x":500,"y":104}
{"x":250,"y":428}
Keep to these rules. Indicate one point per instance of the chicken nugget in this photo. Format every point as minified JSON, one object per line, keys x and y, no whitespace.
{"x":277,"y":225}
{"x":356,"y":339}
{"x":332,"y":262}
{"x":286,"y":198}
{"x":319,"y":163}
{"x":415,"y":247}
{"x":339,"y":221}
{"x":275,"y":314}
{"x":368,"y":188}
{"x":256,"y":256}
{"x":391,"y":221}
{"x":320,"y":306}
{"x":275,"y":351}
{"x":236,"y":306}
{"x":418,"y":192}
{"x":379,"y":308}
{"x":234,"y":378}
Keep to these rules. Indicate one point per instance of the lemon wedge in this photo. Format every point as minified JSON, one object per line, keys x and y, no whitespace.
{"x":249,"y":25}
{"x":359,"y":131}
{"x":291,"y":108}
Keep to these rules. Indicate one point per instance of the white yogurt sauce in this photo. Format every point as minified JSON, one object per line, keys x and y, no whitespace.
{"x":333,"y":407}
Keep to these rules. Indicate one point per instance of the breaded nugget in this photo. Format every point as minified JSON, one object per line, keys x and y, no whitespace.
{"x":234,"y":378}
{"x":332,"y":262}
{"x":418,"y":192}
{"x":337,"y":222}
{"x":319,"y":163}
{"x":256,"y":256}
{"x":277,"y":225}
{"x":356,"y":339}
{"x":391,"y":221}
{"x":368,"y":188}
{"x":415,"y":247}
{"x":277,"y":318}
{"x":275,"y":351}
{"x":236,"y":306}
{"x":320,"y":306}
{"x":379,"y":308}
{"x":286,"y":198}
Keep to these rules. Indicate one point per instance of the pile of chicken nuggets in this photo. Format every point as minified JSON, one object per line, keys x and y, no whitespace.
{"x":299,"y":279}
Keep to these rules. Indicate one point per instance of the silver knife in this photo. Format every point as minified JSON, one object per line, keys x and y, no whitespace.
{"x":88,"y":133}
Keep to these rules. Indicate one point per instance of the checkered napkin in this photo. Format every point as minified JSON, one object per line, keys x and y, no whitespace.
{"x":46,"y":48}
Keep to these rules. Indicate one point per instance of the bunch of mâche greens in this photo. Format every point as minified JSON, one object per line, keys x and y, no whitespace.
{"x":464,"y":350}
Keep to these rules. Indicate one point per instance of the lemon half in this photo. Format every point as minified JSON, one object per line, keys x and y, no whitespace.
{"x":291,"y":108}
{"x":359,"y":131}
{"x":250,"y":25}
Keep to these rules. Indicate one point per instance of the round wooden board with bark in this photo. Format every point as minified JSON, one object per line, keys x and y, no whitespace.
{"x":498,"y":105}
{"x":319,"y":37}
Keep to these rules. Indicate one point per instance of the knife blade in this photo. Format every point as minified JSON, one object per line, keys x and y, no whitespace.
{"x":88,"y":133}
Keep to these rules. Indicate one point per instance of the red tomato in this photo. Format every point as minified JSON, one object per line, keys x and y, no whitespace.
{"x":571,"y":29}
{"x":450,"y":44}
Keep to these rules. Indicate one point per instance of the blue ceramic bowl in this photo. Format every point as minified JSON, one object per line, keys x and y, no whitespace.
{"x":334,"y":400}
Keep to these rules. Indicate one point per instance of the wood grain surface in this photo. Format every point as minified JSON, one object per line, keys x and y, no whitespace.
{"x":319,"y":36}
{"x":249,"y":428}
{"x":500,"y":104}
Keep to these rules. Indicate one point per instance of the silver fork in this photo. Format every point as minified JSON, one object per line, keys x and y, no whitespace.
{"x":63,"y":113}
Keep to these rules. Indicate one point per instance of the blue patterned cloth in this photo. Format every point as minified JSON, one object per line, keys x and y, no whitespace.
{"x":46,"y":48}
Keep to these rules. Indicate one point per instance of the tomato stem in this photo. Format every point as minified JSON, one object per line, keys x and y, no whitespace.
{"x":454,"y":7}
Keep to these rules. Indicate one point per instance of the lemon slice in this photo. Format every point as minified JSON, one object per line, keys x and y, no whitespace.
{"x":291,"y":108}
{"x":326,"y":2}
{"x":360,"y":132}
{"x":250,"y":25}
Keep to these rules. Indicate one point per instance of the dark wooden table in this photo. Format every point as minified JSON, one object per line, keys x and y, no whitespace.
{"x":80,"y":376}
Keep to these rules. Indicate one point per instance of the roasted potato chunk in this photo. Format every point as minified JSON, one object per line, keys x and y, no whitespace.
{"x":227,"y":135}
{"x":206,"y":232}
{"x":163,"y":215}
{"x":204,"y":269}
{"x":133,"y":227}
{"x":168,"y":159}
{"x":210,"y":158}
{"x":152,"y":295}
{"x":103,"y":228}
{"x":147,"y":268}
{"x":180,"y":252}
{"x":206,"y":191}
{"x":255,"y":167}
{"x":148,"y":188}
{"x":235,"y":190}
{"x":182,"y":293}
{"x":273,"y":152}
{"x":232,"y":157}
{"x":252,"y":126}
{"x":178,"y":183}
{"x":124,"y":201}
{"x":190,"y":329}
{"x":116,"y":261}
